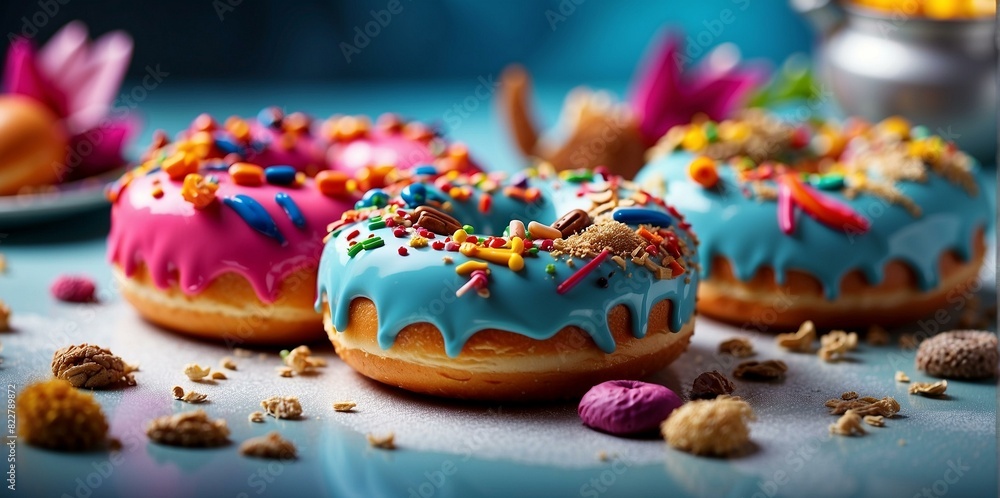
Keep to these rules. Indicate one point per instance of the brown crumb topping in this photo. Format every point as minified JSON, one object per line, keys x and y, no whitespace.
{"x":929,"y":389}
{"x":300,"y":360}
{"x":271,"y":446}
{"x":287,"y":407}
{"x":196,"y":372}
{"x":710,"y":385}
{"x":217,"y":375}
{"x":344,"y":406}
{"x":188,"y":429}
{"x":716,"y":427}
{"x":54,"y":415}
{"x":875,"y":420}
{"x":610,"y":234}
{"x":189,"y":396}
{"x":91,"y":366}
{"x":901,"y":376}
{"x":760,"y":370}
{"x":386,"y":442}
{"x":256,"y":417}
{"x":800,"y":341}
{"x":227,"y":363}
{"x":849,"y":424}
{"x":739,"y":347}
{"x":886,"y":407}
{"x":835,"y":345}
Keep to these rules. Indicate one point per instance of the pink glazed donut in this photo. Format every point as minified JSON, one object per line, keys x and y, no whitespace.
{"x":219,"y":233}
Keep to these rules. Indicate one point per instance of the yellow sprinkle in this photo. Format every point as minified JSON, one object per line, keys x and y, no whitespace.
{"x":460,"y":236}
{"x":471,"y":266}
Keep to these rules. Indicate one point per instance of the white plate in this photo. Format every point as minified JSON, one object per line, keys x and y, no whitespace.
{"x":68,"y":199}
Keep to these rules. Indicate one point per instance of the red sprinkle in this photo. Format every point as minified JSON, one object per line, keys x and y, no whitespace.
{"x":546,"y":245}
{"x":652,"y":250}
{"x":399,"y":232}
{"x":437,"y":245}
{"x":485,"y":203}
{"x":472,"y":238}
{"x":390,"y":222}
{"x":74,"y":289}
{"x":402,"y":251}
{"x":353,"y":234}
{"x":497,"y":243}
{"x":451,"y":246}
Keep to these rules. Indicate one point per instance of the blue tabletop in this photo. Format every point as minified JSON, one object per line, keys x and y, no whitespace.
{"x":942,"y":446}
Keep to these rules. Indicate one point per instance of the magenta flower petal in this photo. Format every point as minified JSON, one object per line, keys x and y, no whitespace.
{"x":665,"y":96}
{"x":99,"y":149}
{"x":21,"y":76}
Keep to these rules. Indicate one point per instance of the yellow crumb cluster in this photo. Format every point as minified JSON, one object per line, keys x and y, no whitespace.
{"x":55,"y":415}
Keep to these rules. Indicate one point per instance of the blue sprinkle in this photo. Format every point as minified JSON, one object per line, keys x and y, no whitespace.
{"x":279,"y":175}
{"x":291,"y":209}
{"x":254,"y":215}
{"x":218,"y":166}
{"x":225,"y":142}
{"x":637,"y":216}
{"x":269,"y":116}
{"x":154,"y":170}
{"x":375,"y":197}
{"x":414,"y":194}
{"x":425,"y":169}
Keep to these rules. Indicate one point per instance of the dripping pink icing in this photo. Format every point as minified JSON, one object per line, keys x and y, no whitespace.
{"x":181,"y":245}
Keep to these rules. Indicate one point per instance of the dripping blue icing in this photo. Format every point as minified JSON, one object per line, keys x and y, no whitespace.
{"x":254,"y":215}
{"x":745,"y":231}
{"x":420,"y":288}
{"x":291,"y":209}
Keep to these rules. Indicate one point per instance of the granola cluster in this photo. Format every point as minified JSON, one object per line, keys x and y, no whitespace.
{"x":272,"y":446}
{"x":282,"y":407}
{"x":91,"y":366}
{"x":54,"y":415}
{"x":710,"y":427}
{"x":189,"y":429}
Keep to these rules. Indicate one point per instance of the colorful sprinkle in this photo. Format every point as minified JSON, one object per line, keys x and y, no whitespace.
{"x":468,"y":229}
{"x":246,"y":174}
{"x":402,"y":251}
{"x":254,"y":215}
{"x":824,"y":209}
{"x":477,"y":281}
{"x":355,"y":249}
{"x":485,"y":203}
{"x":638,"y":216}
{"x":550,"y":269}
{"x":73,"y":289}
{"x":470,"y":266}
{"x":704,"y":172}
{"x":414,"y":195}
{"x":373,"y":243}
{"x":333,"y":183}
{"x":280,"y":175}
{"x":575,"y":278}
{"x":291,"y":209}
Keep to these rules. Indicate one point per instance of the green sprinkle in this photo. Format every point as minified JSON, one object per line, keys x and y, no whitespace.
{"x":711,"y":132}
{"x":827,"y":182}
{"x":284,"y":353}
{"x":373,"y":219}
{"x":336,"y":232}
{"x":550,"y":268}
{"x":506,"y":231}
{"x":533,"y":251}
{"x":468,"y":229}
{"x":355,"y":249}
{"x":372,"y":243}
{"x":375,"y":225}
{"x":580,"y":176}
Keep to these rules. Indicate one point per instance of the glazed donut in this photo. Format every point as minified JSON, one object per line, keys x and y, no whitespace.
{"x":592,"y":280}
{"x":843,"y":225}
{"x":32,"y":145}
{"x":219,"y":234}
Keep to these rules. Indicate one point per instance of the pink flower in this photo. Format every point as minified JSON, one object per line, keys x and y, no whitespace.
{"x":664,"y":95}
{"x":78,"y":80}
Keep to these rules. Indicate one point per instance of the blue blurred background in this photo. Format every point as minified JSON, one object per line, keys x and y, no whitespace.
{"x":306,"y":40}
{"x":425,"y":59}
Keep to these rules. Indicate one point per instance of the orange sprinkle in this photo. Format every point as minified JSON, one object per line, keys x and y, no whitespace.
{"x":460,"y":194}
{"x":675,"y":268}
{"x":197,"y":191}
{"x":247,"y":174}
{"x":157,"y":192}
{"x":179,"y":165}
{"x":704,"y":172}
{"x":651,"y":237}
{"x":238,"y":127}
{"x":333,"y":183}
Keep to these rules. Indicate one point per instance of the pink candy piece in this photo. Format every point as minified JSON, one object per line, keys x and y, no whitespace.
{"x":627,"y":407}
{"x":73,"y":289}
